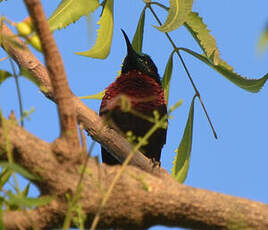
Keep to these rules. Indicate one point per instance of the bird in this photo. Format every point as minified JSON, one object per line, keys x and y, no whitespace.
{"x":140,"y":84}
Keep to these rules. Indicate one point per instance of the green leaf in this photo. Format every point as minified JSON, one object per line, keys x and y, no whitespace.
{"x":19,"y":169}
{"x":263,"y":41}
{"x":28,"y":202}
{"x":97,"y":96}
{"x":26,"y":190}
{"x":177,"y":14}
{"x":25,"y":73}
{"x":4,"y":177}
{"x":4,"y":75}
{"x":138,"y":37}
{"x":202,"y":35}
{"x":182,"y":159}
{"x":102,"y":47}
{"x":69,"y":11}
{"x":167,"y":76}
{"x":251,"y":85}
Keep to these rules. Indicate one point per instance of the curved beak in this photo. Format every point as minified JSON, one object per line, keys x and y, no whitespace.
{"x":130,"y":51}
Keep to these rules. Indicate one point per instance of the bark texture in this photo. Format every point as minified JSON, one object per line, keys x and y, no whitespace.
{"x":139,"y":199}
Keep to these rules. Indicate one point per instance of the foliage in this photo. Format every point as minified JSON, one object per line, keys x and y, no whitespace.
{"x":102,"y":47}
{"x":182,"y":159}
{"x":69,"y":11}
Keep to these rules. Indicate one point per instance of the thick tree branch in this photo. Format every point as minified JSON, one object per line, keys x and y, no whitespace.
{"x":139,"y":200}
{"x":93,"y":124}
{"x":57,"y":75}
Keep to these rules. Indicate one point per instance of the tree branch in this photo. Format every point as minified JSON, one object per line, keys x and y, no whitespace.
{"x":57,"y":75}
{"x":92,"y":123}
{"x":139,"y":200}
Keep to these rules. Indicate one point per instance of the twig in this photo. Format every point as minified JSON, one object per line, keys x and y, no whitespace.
{"x":82,"y":137}
{"x":18,"y":91}
{"x":76,"y":196}
{"x":186,"y":70}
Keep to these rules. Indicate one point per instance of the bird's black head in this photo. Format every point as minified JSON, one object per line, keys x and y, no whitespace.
{"x":139,"y":61}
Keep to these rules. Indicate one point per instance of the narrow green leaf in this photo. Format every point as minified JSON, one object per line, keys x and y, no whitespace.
{"x":26,"y":190}
{"x":177,"y":14}
{"x":263,"y":41}
{"x":102,"y":47}
{"x":97,"y":96}
{"x":182,"y":159}
{"x":25,"y":73}
{"x":251,"y":85}
{"x":69,"y":11}
{"x":19,"y":169}
{"x":138,"y":37}
{"x":167,"y":76}
{"x":27,"y":202}
{"x":4,"y":177}
{"x":202,"y":35}
{"x":4,"y":75}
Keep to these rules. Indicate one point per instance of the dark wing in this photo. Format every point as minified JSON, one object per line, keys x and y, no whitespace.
{"x":125,"y":121}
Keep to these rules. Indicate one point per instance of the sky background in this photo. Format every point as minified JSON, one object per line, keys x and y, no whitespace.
{"x":236,"y":163}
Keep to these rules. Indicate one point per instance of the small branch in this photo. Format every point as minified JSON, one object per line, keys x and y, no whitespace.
{"x":77,"y":193}
{"x":185,"y":68}
{"x":57,"y":75}
{"x":18,"y":91}
{"x":83,"y":138}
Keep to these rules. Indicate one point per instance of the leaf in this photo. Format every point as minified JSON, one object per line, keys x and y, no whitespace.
{"x":69,"y":11}
{"x":263,"y":41}
{"x":25,"y":73}
{"x":28,"y":202}
{"x":102,"y":47}
{"x":19,"y":169}
{"x":4,"y":75}
{"x":26,"y":190}
{"x":202,"y":35}
{"x":167,"y":76}
{"x":138,"y":37}
{"x":251,"y":85}
{"x":97,"y":96}
{"x":4,"y":177}
{"x":182,"y":159}
{"x":177,"y":14}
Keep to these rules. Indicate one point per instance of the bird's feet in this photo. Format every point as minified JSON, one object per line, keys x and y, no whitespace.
{"x":156,"y":164}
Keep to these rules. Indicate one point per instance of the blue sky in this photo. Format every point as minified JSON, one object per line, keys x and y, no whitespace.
{"x":236,"y":163}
